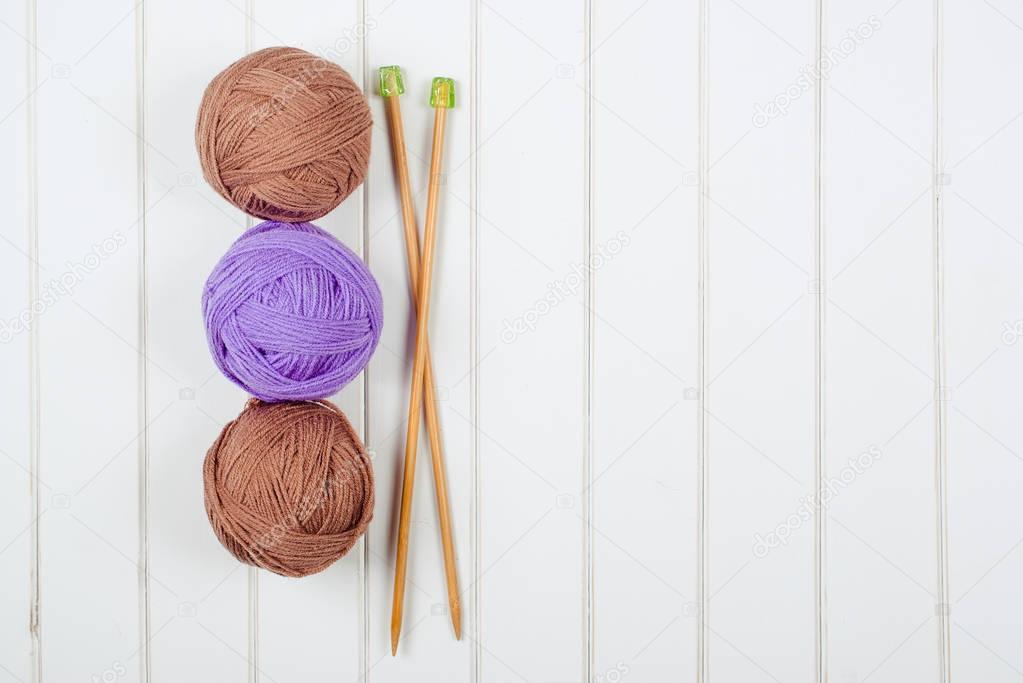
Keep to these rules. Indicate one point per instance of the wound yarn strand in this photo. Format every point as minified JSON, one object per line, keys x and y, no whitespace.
{"x":291,"y":313}
{"x":288,"y":486}
{"x":284,"y":135}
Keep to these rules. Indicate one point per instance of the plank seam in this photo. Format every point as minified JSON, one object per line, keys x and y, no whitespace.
{"x":701,"y":423}
{"x":941,"y":400}
{"x":252,"y":574}
{"x":35,"y":559}
{"x":364,"y":618}
{"x":142,"y":161}
{"x":589,"y":615}
{"x":820,"y":464}
{"x":476,"y":658}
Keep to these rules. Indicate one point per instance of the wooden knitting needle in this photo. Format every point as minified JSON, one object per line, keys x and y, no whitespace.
{"x":442,"y":96}
{"x":391,"y":86}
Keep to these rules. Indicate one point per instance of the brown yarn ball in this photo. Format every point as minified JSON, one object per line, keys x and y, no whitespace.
{"x":288,"y":486}
{"x":284,"y":135}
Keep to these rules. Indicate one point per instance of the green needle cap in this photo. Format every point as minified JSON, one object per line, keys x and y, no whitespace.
{"x":442,"y":93}
{"x":391,"y":82}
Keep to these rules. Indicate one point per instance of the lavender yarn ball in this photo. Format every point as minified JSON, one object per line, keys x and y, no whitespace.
{"x":291,"y":313}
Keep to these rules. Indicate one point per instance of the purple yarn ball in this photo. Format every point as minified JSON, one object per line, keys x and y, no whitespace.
{"x":291,"y":313}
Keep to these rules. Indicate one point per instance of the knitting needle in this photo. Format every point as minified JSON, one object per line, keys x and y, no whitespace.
{"x":391,"y":86}
{"x":442,"y":96}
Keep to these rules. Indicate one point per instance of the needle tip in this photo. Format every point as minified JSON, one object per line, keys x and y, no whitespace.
{"x":456,"y":621}
{"x":395,"y":635}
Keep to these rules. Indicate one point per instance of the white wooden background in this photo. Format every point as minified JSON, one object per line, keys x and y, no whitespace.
{"x":682,"y":283}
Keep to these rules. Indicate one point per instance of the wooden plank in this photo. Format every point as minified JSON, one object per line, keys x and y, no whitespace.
{"x":760,"y":383}
{"x":311,"y":629}
{"x":532,"y":235}
{"x":199,"y":624}
{"x":645,"y":334}
{"x":16,"y":317}
{"x":89,"y":340}
{"x":984,"y":305}
{"x":882,"y":561}
{"x":426,"y":40}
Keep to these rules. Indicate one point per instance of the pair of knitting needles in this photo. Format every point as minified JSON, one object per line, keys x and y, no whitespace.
{"x":442,"y":97}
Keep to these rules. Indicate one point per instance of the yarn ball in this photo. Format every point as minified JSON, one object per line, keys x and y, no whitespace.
{"x":291,"y":313}
{"x":288,"y":486}
{"x":284,"y":135}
